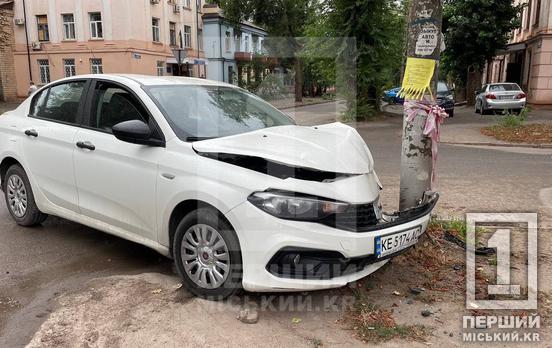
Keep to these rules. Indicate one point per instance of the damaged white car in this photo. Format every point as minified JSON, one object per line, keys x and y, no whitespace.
{"x":207,"y":174}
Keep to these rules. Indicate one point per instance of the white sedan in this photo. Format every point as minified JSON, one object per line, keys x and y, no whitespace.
{"x":207,"y":174}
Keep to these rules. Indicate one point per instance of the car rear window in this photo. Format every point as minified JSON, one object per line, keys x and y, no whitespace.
{"x":504,"y":87}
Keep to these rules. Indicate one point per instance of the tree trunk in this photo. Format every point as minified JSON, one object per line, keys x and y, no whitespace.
{"x":416,"y":156}
{"x":473,"y":83}
{"x":298,"y":81}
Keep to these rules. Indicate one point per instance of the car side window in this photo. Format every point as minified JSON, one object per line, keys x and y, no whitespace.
{"x":113,"y":104}
{"x":59,"y":103}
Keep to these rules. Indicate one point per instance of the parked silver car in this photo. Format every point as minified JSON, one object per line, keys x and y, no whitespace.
{"x":499,"y":96}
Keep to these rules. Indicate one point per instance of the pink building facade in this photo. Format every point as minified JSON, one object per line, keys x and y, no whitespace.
{"x":72,"y":37}
{"x":527,"y":59}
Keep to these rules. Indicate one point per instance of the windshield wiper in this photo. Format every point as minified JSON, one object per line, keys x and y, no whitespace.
{"x":191,"y":139}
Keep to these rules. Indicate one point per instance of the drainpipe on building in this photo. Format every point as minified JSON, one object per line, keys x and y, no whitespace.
{"x":27,"y":40}
{"x":220,"y":48}
{"x":198,"y":3}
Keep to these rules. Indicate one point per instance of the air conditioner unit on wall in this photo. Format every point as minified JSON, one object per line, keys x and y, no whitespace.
{"x":36,"y":46}
{"x":19,"y":21}
{"x":154,"y":1}
{"x":176,"y":8}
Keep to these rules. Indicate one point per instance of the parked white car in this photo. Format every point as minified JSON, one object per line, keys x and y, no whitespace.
{"x":207,"y":174}
{"x":499,"y":97}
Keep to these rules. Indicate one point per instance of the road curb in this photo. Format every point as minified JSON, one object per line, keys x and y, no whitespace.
{"x":300,"y":106}
{"x":533,"y":146}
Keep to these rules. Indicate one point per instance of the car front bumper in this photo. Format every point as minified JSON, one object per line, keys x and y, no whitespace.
{"x":264,"y":237}
{"x":505,"y":104}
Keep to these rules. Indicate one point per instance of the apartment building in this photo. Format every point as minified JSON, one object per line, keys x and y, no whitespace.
{"x":228,"y":48}
{"x":60,"y":38}
{"x":527,"y":60}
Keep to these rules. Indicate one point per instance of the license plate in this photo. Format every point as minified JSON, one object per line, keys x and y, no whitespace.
{"x":392,"y":243}
{"x":506,"y":97}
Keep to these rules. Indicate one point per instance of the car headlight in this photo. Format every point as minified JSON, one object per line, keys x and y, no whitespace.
{"x":288,"y":205}
{"x":450,"y":97}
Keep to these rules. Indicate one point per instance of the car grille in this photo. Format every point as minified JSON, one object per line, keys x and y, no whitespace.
{"x":354,"y":218}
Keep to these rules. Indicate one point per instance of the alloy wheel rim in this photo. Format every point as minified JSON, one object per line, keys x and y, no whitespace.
{"x":17,"y":195}
{"x":205,"y":256}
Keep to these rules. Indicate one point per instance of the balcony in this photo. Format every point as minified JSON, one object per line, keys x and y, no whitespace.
{"x":243,"y":56}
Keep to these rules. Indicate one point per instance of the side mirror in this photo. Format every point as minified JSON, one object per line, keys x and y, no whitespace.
{"x":135,"y":132}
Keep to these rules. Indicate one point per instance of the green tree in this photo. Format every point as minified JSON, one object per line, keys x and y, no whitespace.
{"x":377,"y":28}
{"x":284,"y":20}
{"x":474,"y":31}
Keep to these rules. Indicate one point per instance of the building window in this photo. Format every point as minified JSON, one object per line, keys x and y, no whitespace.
{"x":68,"y":26}
{"x":155,"y":29}
{"x":537,"y":14}
{"x":96,"y":66}
{"x":44,"y":67}
{"x":246,"y":39}
{"x":187,"y":36}
{"x":69,"y":67}
{"x":200,"y":39}
{"x":188,"y":3}
{"x":172,"y":33}
{"x":42,"y":26}
{"x":228,"y":41}
{"x":237,"y":39}
{"x":160,"y":68}
{"x":96,"y":31}
{"x":528,"y":18}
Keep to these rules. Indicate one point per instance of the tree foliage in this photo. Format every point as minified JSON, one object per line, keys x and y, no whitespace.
{"x":367,"y":35}
{"x":474,"y":31}
{"x":377,"y":30}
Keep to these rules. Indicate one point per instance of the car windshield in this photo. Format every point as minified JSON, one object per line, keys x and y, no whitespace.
{"x":442,"y":87}
{"x":205,"y":112}
{"x":504,"y":87}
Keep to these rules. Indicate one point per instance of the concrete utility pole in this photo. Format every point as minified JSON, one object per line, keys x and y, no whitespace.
{"x":425,"y":20}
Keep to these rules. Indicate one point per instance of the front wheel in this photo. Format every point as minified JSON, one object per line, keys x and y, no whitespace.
{"x":207,"y":255}
{"x":20,"y":199}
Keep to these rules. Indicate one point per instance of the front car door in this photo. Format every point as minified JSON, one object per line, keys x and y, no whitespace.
{"x":116,"y":180}
{"x":48,"y":141}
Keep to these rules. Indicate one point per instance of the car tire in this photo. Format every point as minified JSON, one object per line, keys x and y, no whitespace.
{"x":477,"y":108}
{"x":20,"y":198}
{"x":201,"y":241}
{"x":451,"y":113}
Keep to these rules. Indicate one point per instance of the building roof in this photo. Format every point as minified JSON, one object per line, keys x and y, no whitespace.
{"x":213,"y":11}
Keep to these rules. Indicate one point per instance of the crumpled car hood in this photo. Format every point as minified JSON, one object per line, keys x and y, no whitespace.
{"x":332,"y":147}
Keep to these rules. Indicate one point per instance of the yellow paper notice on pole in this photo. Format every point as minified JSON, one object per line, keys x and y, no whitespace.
{"x":417,"y":78}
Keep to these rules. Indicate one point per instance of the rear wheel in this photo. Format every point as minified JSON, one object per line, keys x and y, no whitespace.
{"x":451,"y":113}
{"x":20,"y":199}
{"x":207,"y":255}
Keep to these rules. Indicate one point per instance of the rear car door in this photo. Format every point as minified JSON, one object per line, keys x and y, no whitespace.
{"x":116,"y":180}
{"x":48,"y":143}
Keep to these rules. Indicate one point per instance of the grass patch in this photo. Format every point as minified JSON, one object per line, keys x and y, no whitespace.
{"x":373,"y":324}
{"x":512,"y":128}
{"x":528,"y":134}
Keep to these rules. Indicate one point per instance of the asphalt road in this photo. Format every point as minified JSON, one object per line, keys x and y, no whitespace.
{"x":37,"y":264}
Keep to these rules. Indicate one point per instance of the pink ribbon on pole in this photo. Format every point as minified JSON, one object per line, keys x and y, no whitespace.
{"x":435,"y":116}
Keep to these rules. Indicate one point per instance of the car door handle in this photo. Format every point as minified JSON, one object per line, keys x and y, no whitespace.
{"x":86,"y":145}
{"x":31,"y":133}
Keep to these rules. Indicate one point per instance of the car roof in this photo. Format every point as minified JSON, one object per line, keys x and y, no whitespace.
{"x":150,"y":80}
{"x":502,"y":83}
